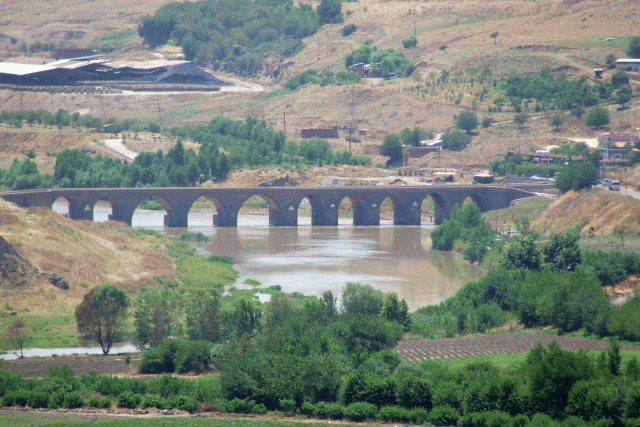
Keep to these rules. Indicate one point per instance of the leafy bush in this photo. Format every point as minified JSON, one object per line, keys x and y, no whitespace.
{"x":288,"y":406}
{"x":16,"y":398}
{"x":481,"y":419}
{"x":360,"y":411}
{"x":179,"y":355}
{"x":409,"y":42}
{"x":151,"y":400}
{"x":396,"y":414}
{"x":349,"y":29}
{"x":331,"y":411}
{"x":128,"y":399}
{"x":443,"y":416}
{"x":308,"y":409}
{"x":73,"y":400}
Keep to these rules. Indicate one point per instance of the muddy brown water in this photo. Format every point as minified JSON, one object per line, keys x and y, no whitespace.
{"x":311,"y":260}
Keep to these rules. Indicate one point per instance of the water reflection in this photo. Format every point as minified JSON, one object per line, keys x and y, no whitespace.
{"x":311,"y":260}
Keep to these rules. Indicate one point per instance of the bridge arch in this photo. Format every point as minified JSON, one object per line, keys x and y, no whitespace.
{"x":64,"y":205}
{"x":440,"y":208}
{"x":274,"y":209}
{"x":220,"y":211}
{"x":358,"y":208}
{"x":169,"y":219}
{"x":102,"y":208}
{"x":478,"y":200}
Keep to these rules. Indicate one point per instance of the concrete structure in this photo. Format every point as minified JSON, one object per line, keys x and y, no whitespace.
{"x":283,"y":202}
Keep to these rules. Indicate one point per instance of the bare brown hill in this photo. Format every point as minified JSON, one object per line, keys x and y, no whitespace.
{"x":597,"y":212}
{"x":85,"y":253}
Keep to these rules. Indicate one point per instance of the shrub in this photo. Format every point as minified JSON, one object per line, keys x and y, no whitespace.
{"x":128,"y":399}
{"x":409,"y":42}
{"x":16,"y":398}
{"x":349,"y":29}
{"x":332,"y":411}
{"x":489,"y":418}
{"x":94,"y":401}
{"x":179,"y":355}
{"x":288,"y":406}
{"x":73,"y":400}
{"x":56,"y":399}
{"x":38,"y":399}
{"x":308,"y":408}
{"x":186,"y":403}
{"x":360,"y":411}
{"x":396,"y":414}
{"x":152,"y":401}
{"x":443,"y":416}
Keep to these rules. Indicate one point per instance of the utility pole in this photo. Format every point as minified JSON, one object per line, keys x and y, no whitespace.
{"x":352,"y":108}
{"x":284,"y":122}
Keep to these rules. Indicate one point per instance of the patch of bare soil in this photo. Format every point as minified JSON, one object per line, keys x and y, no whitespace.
{"x":597,"y":212}
{"x":486,"y":345}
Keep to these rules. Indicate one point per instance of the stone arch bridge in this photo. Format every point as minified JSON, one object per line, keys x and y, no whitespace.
{"x":283,"y":202}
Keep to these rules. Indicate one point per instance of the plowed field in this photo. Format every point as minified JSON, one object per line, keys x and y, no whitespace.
{"x":413,"y":351}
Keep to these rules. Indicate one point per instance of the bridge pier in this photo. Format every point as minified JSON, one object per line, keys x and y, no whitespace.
{"x":286,"y":216}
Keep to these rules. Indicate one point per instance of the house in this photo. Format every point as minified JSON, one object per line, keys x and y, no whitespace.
{"x":628,"y":64}
{"x":608,"y":139}
{"x":613,"y":157}
{"x":365,"y":70}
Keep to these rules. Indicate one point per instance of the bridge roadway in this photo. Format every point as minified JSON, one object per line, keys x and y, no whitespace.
{"x":283,"y":201}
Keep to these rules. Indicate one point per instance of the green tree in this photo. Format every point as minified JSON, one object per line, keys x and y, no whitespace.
{"x":494,"y":36}
{"x":392,"y":148}
{"x":623,"y":95}
{"x":522,"y":254}
{"x":396,"y":310}
{"x":562,"y":250}
{"x":455,"y":140}
{"x":556,"y":121}
{"x":576,"y":177}
{"x":634,"y":48}
{"x":361,"y":299}
{"x":102,"y":314}
{"x":204,"y":318}
{"x":596,"y":117}
{"x":619,"y":78}
{"x":551,"y":379}
{"x":329,"y":12}
{"x":157,"y":317}
{"x":467,"y":121}
{"x":520,"y":119}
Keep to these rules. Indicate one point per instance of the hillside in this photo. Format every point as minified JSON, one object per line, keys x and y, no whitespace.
{"x":597,"y":212}
{"x":568,"y":36}
{"x":41,"y":243}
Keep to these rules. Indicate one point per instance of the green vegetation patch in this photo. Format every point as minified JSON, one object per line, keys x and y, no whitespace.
{"x":112,"y":42}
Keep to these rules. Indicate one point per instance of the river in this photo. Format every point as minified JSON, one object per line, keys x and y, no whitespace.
{"x":311,"y":260}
